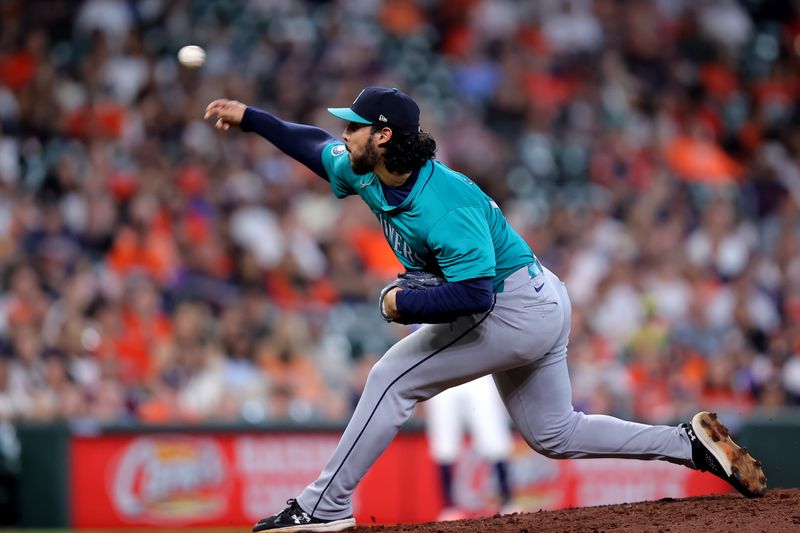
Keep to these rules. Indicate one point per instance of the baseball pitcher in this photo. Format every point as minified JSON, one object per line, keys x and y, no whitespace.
{"x":489,"y":305}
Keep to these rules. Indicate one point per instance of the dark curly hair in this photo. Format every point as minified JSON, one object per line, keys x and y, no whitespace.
{"x":406,"y":151}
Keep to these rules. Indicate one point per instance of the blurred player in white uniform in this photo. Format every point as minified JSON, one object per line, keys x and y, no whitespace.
{"x":475,"y":407}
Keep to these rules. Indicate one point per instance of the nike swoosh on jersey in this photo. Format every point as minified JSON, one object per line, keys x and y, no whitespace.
{"x":539,"y":288}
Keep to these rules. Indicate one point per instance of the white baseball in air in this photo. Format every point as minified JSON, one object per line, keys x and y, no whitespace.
{"x":191,"y":56}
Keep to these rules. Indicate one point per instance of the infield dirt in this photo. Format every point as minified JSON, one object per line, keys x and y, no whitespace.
{"x":777,"y":511}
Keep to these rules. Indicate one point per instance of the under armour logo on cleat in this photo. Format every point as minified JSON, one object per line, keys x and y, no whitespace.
{"x":302,"y":519}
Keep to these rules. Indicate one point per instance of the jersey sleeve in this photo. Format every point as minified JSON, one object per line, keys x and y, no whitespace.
{"x":299,"y":141}
{"x":336,"y":162}
{"x":462,"y":244}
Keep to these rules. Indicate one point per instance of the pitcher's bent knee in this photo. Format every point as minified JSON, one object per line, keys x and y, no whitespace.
{"x":382,"y":375}
{"x":388,"y":379}
{"x":553,"y":441}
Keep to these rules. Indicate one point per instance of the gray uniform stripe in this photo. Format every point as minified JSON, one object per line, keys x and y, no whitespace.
{"x":378,"y":403}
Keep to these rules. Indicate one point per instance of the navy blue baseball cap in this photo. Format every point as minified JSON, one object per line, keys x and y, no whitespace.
{"x":381,"y":106}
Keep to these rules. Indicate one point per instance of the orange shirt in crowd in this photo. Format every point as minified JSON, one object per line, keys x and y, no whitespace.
{"x":136,"y":343}
{"x":701,"y":160}
{"x":155,"y":254}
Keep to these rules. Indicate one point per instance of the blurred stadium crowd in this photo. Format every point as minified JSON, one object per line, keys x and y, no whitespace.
{"x":154,"y":270}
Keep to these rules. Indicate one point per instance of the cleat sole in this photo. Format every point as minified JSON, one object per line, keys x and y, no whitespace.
{"x":735,"y":460}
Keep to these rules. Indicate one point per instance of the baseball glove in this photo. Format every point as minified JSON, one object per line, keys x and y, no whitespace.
{"x":410,"y":279}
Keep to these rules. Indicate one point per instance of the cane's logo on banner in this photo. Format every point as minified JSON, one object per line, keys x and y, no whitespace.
{"x":173,"y":479}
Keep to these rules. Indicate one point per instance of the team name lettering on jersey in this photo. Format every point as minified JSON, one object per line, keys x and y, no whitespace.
{"x":398,"y":243}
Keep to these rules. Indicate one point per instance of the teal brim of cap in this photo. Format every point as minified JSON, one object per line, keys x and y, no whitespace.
{"x":345,"y":113}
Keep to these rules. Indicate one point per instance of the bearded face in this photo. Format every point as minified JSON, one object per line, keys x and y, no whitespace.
{"x":365,"y":159}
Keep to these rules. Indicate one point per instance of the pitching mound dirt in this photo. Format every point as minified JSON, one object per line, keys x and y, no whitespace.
{"x":777,"y":511}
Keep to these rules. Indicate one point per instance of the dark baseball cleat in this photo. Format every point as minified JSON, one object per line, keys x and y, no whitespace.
{"x":713,"y":450}
{"x":293,"y":518}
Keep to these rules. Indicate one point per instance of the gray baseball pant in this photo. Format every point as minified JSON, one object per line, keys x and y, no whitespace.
{"x":522,"y":342}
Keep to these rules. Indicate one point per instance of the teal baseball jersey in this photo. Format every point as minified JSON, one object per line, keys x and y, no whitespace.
{"x":446,"y":224}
